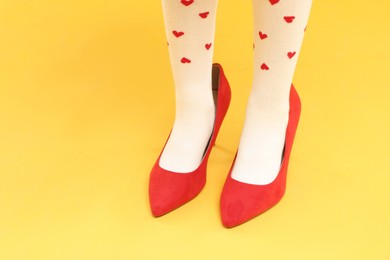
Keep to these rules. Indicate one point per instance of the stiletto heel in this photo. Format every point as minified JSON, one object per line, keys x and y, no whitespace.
{"x":170,"y":190}
{"x":240,"y":201}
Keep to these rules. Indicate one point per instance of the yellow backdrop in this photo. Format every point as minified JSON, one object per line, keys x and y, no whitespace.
{"x":86,"y":104}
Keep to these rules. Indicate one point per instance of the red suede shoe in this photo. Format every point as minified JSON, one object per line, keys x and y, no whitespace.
{"x":240,"y":201}
{"x":170,"y":190}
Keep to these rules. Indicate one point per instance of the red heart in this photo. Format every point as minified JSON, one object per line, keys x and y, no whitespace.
{"x":207,"y":45}
{"x":204,"y":15}
{"x":178,"y":34}
{"x":291,"y":54}
{"x":187,"y":2}
{"x":262,"y":35}
{"x":185,"y":60}
{"x":289,"y":19}
{"x":264,"y":66}
{"x":273,"y":2}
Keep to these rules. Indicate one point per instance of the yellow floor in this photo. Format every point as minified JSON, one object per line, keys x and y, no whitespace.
{"x":86,"y":103}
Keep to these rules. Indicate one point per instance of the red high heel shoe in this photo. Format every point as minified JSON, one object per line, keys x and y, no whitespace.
{"x":169,"y":190}
{"x":240,"y":201}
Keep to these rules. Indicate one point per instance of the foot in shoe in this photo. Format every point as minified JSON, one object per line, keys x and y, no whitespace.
{"x":260,"y":151}
{"x":240,"y":201}
{"x":169,"y":190}
{"x":189,"y":137}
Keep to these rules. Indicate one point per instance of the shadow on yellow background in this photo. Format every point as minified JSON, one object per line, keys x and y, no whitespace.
{"x":86,"y":103}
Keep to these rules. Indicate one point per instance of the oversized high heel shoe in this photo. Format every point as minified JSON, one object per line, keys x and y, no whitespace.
{"x":170,"y":190}
{"x":240,"y":201}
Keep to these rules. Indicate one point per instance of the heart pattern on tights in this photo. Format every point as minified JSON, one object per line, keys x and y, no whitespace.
{"x":177,"y":34}
{"x":187,"y":2}
{"x":185,"y":60}
{"x":204,"y":15}
{"x":291,"y":54}
{"x":264,"y":66}
{"x":289,"y":19}
{"x":262,"y":35}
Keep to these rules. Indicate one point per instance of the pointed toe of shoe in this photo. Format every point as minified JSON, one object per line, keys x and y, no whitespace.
{"x":169,"y":190}
{"x":163,"y":200}
{"x":241,"y":202}
{"x":232,"y":213}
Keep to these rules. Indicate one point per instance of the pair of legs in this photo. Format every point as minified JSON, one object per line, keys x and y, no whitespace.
{"x":279,"y":27}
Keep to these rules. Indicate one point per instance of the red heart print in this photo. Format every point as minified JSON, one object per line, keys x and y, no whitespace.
{"x":187,"y":2}
{"x":185,"y":60}
{"x":289,"y":19}
{"x":273,"y":2}
{"x":291,"y":54}
{"x":264,"y":66}
{"x":207,"y":45}
{"x":204,"y":15}
{"x":177,"y":34}
{"x":262,"y":35}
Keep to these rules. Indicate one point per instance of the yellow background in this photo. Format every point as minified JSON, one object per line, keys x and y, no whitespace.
{"x":86,"y":104}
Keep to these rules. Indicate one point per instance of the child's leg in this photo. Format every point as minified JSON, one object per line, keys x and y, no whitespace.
{"x":190,"y":26}
{"x":279,"y":27}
